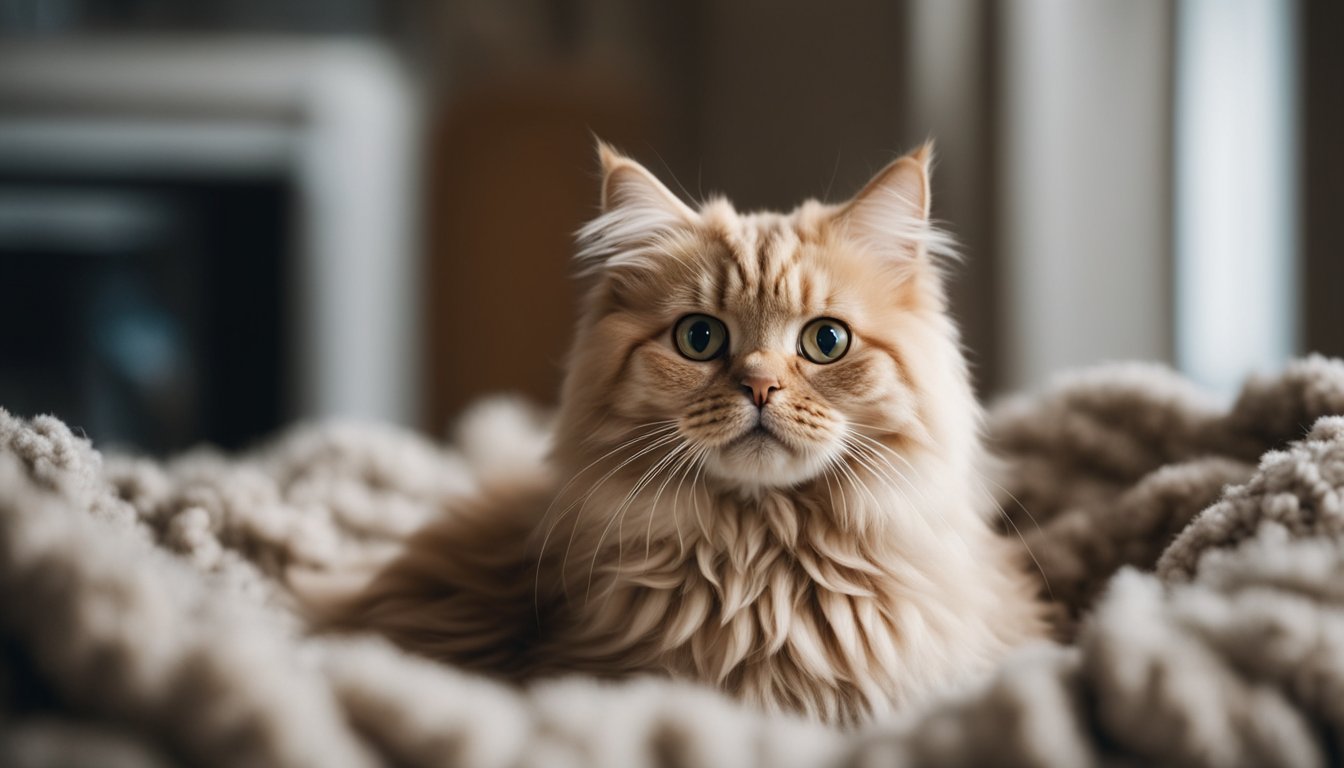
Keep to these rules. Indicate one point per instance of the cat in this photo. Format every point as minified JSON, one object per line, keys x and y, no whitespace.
{"x":763,"y":474}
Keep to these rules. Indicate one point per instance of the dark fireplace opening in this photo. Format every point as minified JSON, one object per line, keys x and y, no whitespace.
{"x":150,"y":313}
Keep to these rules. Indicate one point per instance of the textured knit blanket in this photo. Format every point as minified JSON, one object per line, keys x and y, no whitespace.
{"x":1193,"y":550}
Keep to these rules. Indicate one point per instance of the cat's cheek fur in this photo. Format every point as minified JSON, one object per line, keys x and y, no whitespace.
{"x":656,"y":383}
{"x":872,"y":392}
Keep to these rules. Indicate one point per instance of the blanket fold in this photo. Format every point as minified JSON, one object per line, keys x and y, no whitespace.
{"x":1195,"y":551}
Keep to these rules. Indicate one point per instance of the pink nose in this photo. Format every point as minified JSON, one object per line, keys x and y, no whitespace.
{"x":758,"y":388}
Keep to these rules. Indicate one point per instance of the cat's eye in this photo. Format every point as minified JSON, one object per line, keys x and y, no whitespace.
{"x":824,"y":340}
{"x":700,"y":337}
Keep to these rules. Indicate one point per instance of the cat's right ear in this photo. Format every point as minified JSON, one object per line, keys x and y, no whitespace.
{"x":637,"y":209}
{"x":890,"y":215}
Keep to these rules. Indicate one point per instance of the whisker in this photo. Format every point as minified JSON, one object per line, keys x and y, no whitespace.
{"x":864,"y":456}
{"x":981,"y":478}
{"x":831,"y":466}
{"x":681,"y":463}
{"x":662,"y":428}
{"x":830,"y":490}
{"x":871,"y":444}
{"x":695,"y":500}
{"x":692,"y":462}
{"x":917,"y":483}
{"x":849,"y":471}
{"x":660,"y":443}
{"x":921,"y":513}
{"x":656,"y":428}
{"x":583,"y":503}
{"x":875,"y":443}
{"x":643,"y":482}
{"x":618,"y":517}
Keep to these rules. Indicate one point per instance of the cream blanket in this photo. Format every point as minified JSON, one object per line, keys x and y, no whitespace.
{"x":1194,"y":551}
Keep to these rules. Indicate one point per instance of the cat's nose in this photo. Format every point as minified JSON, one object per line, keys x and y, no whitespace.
{"x":759,"y":387}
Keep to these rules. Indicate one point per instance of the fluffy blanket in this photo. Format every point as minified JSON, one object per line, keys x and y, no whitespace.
{"x":1193,"y":550}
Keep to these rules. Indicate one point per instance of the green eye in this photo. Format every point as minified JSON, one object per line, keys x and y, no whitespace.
{"x":824,"y":340}
{"x":700,"y":337}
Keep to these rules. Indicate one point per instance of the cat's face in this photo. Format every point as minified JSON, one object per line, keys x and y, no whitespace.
{"x":766,"y":347}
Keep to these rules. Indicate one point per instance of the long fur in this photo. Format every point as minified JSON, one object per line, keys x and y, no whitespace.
{"x":838,"y":567}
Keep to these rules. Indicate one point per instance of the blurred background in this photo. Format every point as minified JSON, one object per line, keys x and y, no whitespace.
{"x":220,"y":216}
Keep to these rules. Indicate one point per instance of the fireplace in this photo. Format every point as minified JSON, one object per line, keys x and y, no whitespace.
{"x":201,"y":241}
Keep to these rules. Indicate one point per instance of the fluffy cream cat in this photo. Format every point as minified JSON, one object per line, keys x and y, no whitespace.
{"x":763,"y":475}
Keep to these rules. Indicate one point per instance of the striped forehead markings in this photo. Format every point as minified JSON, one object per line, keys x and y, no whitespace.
{"x":764,"y":242}
{"x":763,"y":260}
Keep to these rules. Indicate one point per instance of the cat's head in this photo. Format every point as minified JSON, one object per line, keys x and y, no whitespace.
{"x":763,"y":347}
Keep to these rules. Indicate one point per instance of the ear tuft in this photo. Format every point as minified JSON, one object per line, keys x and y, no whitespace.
{"x":890,"y":215}
{"x":637,"y":210}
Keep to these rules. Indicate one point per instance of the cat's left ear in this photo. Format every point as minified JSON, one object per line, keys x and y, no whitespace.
{"x":890,"y":215}
{"x":637,"y":210}
{"x":630,"y":187}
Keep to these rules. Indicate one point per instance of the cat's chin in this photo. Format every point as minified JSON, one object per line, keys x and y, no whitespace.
{"x":759,"y":460}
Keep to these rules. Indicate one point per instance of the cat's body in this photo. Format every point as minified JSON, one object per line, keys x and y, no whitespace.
{"x":764,"y":474}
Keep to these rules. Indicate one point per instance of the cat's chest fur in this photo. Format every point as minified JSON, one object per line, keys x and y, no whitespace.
{"x":774,"y":599}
